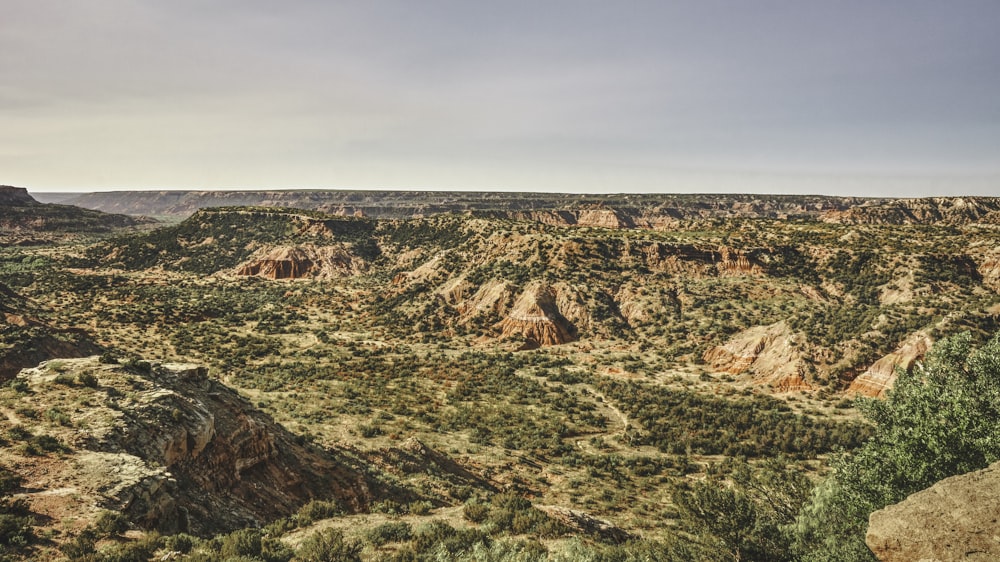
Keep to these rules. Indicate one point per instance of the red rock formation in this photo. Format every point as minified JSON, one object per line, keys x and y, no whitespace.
{"x":988,"y":266}
{"x":881,"y":376}
{"x":603,"y":218}
{"x":766,"y":352}
{"x":536,"y":318}
{"x":735,"y":262}
{"x":314,"y":262}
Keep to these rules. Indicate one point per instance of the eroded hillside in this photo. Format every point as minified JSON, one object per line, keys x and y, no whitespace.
{"x":790,"y":304}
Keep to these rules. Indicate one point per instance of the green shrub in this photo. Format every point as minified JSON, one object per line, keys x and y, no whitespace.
{"x":938,"y":421}
{"x":475,"y":512}
{"x":317,"y":510}
{"x":87,"y":379}
{"x":111,"y":524}
{"x":328,"y":545}
{"x":394,"y":531}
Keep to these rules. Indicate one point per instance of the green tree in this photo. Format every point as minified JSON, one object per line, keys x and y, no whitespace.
{"x":938,"y":421}
{"x":742,"y":518}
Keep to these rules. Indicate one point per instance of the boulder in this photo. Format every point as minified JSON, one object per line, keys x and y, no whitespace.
{"x":957,"y":519}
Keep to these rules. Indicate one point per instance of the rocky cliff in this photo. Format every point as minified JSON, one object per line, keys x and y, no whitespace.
{"x":172,"y":448}
{"x":299,"y":262}
{"x":881,"y":376}
{"x":26,"y":341}
{"x":15,"y":196}
{"x":24,"y":221}
{"x":536,"y":319}
{"x":957,"y":519}
{"x":768,"y":353}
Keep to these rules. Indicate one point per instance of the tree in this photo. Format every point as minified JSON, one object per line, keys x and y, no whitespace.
{"x":938,"y":421}
{"x":742,"y":519}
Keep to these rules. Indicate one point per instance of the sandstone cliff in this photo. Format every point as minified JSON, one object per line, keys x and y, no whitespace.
{"x":536,"y":319}
{"x":302,"y":262}
{"x":172,"y":448}
{"x":957,"y":519}
{"x":880,"y":377}
{"x":768,"y":353}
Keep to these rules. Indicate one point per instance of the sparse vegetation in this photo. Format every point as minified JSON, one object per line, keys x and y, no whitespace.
{"x":466,"y":438}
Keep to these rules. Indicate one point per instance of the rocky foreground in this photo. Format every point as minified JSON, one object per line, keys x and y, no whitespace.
{"x":165,"y":444}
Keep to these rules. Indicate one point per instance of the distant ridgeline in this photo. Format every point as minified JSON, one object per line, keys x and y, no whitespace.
{"x":23,"y":220}
{"x":609,"y":211}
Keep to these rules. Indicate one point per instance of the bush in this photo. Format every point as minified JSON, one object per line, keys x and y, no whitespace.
{"x":244,"y":542}
{"x":111,"y":524}
{"x":475,"y":512}
{"x":328,"y":546}
{"x":87,"y":379}
{"x":317,"y":510}
{"x":389,"y":532}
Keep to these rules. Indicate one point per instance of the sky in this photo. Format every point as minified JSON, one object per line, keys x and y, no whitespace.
{"x":854,"y":97}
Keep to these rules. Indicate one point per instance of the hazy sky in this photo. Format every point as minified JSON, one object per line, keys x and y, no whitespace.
{"x":897,"y":97}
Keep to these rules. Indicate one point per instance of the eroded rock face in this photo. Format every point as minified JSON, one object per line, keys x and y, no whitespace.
{"x":15,"y":196}
{"x":766,"y":352}
{"x":881,"y":376}
{"x":300,"y":262}
{"x":957,"y":519}
{"x":491,"y":298}
{"x":536,"y":318}
{"x":178,"y":451}
{"x":734,"y":262}
{"x":988,"y":266}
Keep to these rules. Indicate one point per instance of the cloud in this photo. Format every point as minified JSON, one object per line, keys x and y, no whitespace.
{"x":556,"y":94}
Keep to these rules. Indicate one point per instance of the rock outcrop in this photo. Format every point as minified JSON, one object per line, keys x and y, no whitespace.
{"x":536,"y":319}
{"x":735,"y":262}
{"x":881,"y":376}
{"x":302,"y":262}
{"x":988,"y":266}
{"x":178,"y":451}
{"x":957,"y":519}
{"x":16,"y":196}
{"x":767,"y":353}
{"x":494,"y":297}
{"x":584,"y":523}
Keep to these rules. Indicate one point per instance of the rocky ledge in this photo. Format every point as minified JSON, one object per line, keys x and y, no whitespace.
{"x":170,"y":447}
{"x":957,"y":519}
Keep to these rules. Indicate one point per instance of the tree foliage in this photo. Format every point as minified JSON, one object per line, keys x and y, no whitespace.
{"x":938,"y":421}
